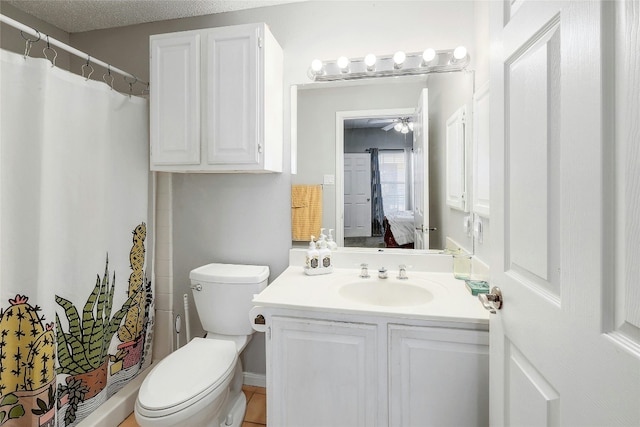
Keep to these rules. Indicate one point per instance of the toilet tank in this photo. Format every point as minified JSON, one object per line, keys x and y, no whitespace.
{"x":223,"y":294}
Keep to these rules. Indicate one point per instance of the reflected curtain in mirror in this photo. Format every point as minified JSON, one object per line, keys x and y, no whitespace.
{"x":377,"y":210}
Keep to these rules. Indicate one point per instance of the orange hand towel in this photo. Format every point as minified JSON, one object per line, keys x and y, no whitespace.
{"x":306,"y":211}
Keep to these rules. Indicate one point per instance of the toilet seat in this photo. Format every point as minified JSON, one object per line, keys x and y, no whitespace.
{"x":186,"y":376}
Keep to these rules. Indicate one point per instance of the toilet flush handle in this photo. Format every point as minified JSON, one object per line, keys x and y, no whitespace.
{"x":196,"y":287}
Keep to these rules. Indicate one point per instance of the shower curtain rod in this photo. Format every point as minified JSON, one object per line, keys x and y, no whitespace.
{"x":35,"y":33}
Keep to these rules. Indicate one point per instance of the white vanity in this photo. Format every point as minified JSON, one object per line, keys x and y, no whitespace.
{"x":343,"y":350}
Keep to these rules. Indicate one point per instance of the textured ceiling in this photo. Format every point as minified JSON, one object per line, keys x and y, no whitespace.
{"x":75,"y":16}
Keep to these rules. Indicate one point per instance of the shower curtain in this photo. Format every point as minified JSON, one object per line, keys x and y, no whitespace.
{"x":75,"y":301}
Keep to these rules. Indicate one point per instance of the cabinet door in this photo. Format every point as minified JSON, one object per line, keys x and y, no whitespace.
{"x":233,"y":88}
{"x":455,"y":154}
{"x":175,"y":100}
{"x":322,"y":374}
{"x":438,"y":377}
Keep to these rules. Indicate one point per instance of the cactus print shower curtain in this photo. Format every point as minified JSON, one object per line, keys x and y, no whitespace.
{"x":75,"y":298}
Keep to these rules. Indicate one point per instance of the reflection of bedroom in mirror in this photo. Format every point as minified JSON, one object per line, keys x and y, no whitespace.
{"x":378,"y":187}
{"x":320,"y":115}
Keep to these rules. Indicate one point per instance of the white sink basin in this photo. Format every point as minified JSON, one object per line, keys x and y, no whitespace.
{"x":385,"y":292}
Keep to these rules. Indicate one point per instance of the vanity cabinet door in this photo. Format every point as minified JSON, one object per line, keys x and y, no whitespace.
{"x":322,"y":373}
{"x":438,"y":377}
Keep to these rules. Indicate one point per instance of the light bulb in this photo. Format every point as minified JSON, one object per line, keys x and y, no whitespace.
{"x":316,"y":66}
{"x":370,"y":61}
{"x":405,"y":129}
{"x":343,"y":64}
{"x":397,"y":127}
{"x":460,"y":52}
{"x":398,"y":59}
{"x":428,"y":55}
{"x":411,"y":126}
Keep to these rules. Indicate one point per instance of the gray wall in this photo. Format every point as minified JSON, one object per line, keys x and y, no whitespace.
{"x":447,"y":93}
{"x":246,"y":218}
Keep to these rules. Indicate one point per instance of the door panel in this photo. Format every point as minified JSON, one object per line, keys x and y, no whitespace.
{"x":357,"y":195}
{"x":175,"y":75}
{"x":421,"y":172}
{"x":564,"y":346}
{"x":233,"y":107}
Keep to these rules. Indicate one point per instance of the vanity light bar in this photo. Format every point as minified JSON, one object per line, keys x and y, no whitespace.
{"x":398,"y":64}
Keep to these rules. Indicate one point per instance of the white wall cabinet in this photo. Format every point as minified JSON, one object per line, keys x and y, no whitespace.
{"x":216,"y":100}
{"x":352,"y":370}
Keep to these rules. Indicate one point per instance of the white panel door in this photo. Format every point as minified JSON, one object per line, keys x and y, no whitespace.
{"x":233,"y":98}
{"x":565,"y":347}
{"x":421,"y":172}
{"x":357,"y":195}
{"x":175,"y":100}
{"x":323,"y":373}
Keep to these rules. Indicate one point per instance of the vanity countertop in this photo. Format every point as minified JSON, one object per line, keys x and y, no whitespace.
{"x":451,"y":302}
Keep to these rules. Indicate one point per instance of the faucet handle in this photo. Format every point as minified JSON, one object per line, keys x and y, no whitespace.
{"x":364,"y":272}
{"x":402,"y":272}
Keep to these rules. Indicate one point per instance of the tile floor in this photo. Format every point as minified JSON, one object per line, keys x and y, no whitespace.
{"x":256,"y":415}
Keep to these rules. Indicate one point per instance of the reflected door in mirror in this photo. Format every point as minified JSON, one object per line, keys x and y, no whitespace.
{"x":357,"y":195}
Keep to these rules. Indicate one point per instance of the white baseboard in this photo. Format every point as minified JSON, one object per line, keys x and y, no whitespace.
{"x":258,"y":380}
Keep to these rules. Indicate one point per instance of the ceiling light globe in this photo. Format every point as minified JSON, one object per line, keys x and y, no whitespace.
{"x":399,"y":57}
{"x":428,"y":55}
{"x":460,"y":52}
{"x":397,"y":127}
{"x":343,"y":62}
{"x":370,"y":60}
{"x":405,"y":129}
{"x":316,"y":65}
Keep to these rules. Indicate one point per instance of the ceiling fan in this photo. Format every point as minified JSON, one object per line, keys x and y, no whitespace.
{"x":401,"y":124}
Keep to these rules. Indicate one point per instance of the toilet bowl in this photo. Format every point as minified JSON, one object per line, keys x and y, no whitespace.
{"x":200,"y":384}
{"x":190,"y":386}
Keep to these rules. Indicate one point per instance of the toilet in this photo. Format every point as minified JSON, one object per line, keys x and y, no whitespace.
{"x":200,"y":384}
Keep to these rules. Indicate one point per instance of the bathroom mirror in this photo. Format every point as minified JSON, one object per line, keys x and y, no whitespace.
{"x":360,"y":113}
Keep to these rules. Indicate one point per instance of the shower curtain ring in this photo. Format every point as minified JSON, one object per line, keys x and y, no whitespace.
{"x":48,"y":48}
{"x":28,"y":42}
{"x":89,"y":66}
{"x":131,"y":83}
{"x":108,"y":74}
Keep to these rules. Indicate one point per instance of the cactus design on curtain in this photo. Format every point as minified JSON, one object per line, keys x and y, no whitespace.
{"x":89,"y":350}
{"x":27,"y":364}
{"x":99,"y":348}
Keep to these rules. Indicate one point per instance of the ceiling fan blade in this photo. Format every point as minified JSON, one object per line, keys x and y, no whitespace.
{"x":387,"y":127}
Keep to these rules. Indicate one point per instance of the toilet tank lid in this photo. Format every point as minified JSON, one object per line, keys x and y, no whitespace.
{"x":230,"y":273}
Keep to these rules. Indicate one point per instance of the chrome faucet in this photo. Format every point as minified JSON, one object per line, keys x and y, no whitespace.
{"x":402,"y":272}
{"x":364,"y":272}
{"x":382,"y":273}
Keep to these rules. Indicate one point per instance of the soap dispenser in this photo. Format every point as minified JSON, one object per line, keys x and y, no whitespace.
{"x":323,"y":237}
{"x":325,"y":255}
{"x":331,"y":244}
{"x":313,"y":256}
